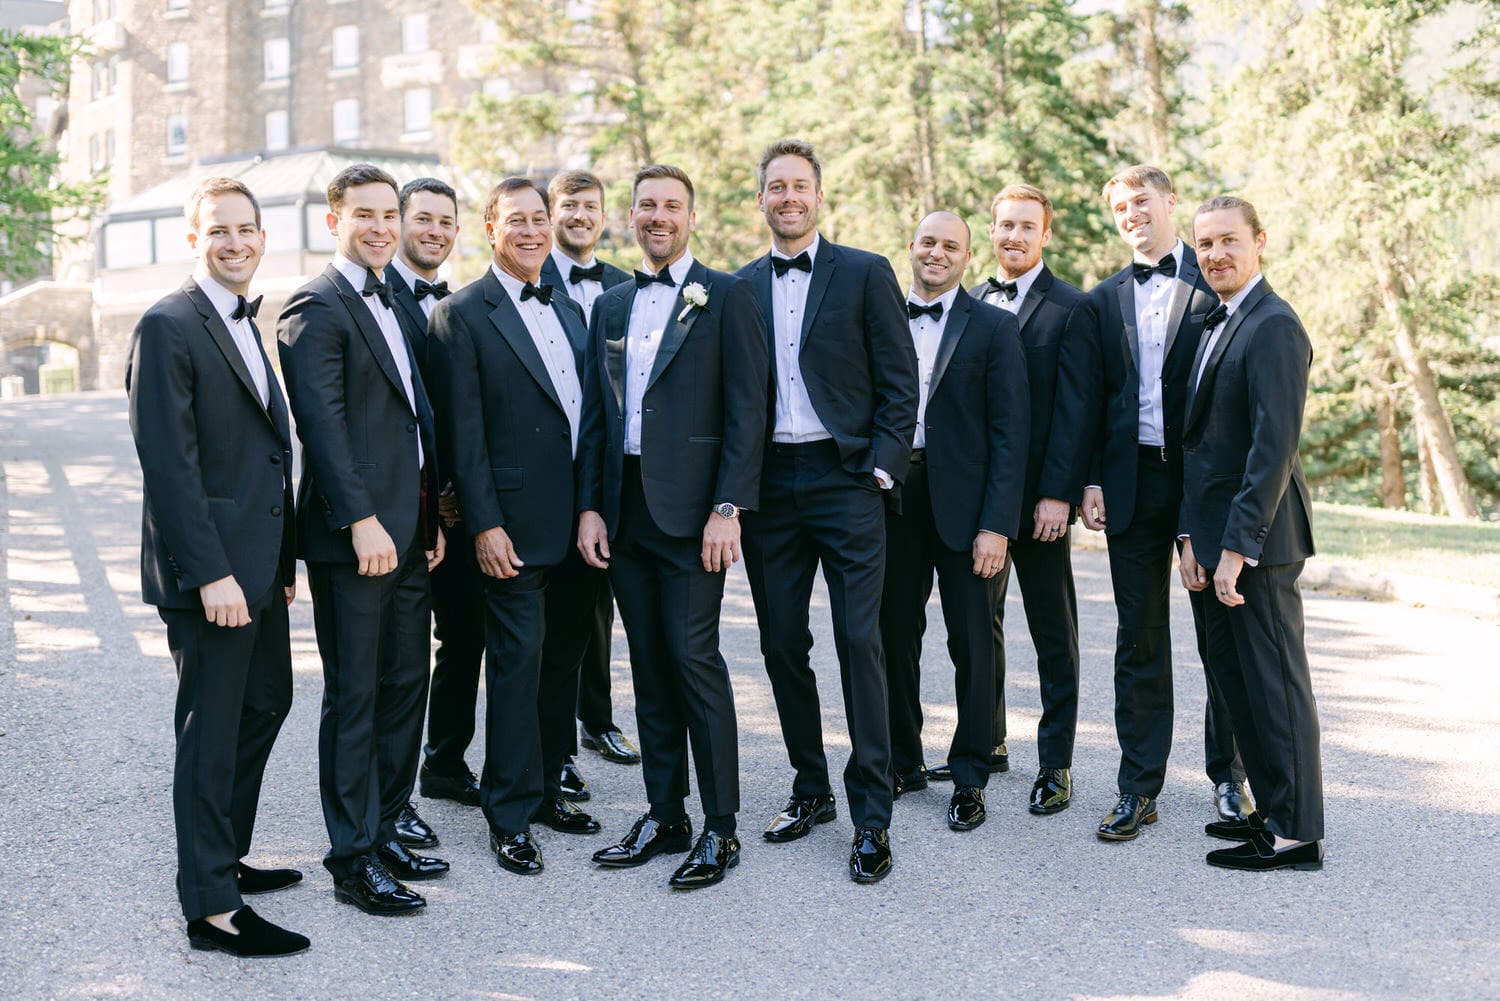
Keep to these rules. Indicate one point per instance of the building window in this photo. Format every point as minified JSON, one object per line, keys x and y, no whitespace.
{"x":104,"y":10}
{"x":177,"y":5}
{"x":96,"y":151}
{"x":109,"y":147}
{"x":345,"y":47}
{"x":176,"y":135}
{"x":419,"y":111}
{"x":278,"y":59}
{"x":414,"y":33}
{"x":346,"y":121}
{"x":106,"y":74}
{"x":177,"y":62}
{"x":277,"y":4}
{"x":278,"y":130}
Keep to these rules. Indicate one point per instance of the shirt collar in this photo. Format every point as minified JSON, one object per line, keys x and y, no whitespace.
{"x":405,"y":271}
{"x":565,"y":264}
{"x":354,"y":272}
{"x":1023,"y":283}
{"x":678,"y":269}
{"x":947,"y":299}
{"x":510,"y":282}
{"x":811,"y":249}
{"x":1238,"y":298}
{"x":223,"y":300}
{"x":1179,"y":251}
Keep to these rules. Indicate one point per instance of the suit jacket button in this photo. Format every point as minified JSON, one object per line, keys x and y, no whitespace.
{"x":275,"y":460}
{"x":411,"y":427}
{"x":276,"y":512}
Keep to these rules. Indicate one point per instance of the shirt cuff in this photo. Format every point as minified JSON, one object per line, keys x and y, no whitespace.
{"x":886,"y":482}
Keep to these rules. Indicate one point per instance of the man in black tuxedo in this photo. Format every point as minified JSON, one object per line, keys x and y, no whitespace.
{"x":960,"y":508}
{"x":1247,"y":528}
{"x":1055,"y":319}
{"x":674,"y":435}
{"x":1150,"y":318}
{"x":577,"y":198}
{"x":843,"y":406}
{"x":506,"y":360}
{"x":368,"y":529}
{"x":218,"y":560}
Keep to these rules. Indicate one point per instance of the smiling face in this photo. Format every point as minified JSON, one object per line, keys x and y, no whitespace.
{"x":1144,"y":218}
{"x":790,"y":200}
{"x":228,"y":240}
{"x":520,"y":233}
{"x":940,"y":254}
{"x":578,"y":222}
{"x":1228,"y":250}
{"x":367,"y":225}
{"x":427,"y":231}
{"x":1018,"y":232}
{"x":662,"y":218}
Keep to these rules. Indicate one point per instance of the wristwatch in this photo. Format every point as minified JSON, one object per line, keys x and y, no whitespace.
{"x":726,"y":510}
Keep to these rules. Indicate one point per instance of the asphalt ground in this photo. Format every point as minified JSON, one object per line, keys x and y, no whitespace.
{"x":1023,"y":907}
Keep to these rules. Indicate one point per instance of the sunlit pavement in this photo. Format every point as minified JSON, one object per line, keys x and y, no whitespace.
{"x":1023,"y":907}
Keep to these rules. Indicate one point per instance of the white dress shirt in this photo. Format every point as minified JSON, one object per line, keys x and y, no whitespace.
{"x":552,"y":344}
{"x":584,"y":292}
{"x":1023,"y":285}
{"x":927,"y":334}
{"x":225,"y":303}
{"x":1153,"y":311}
{"x":1230,"y":306}
{"x":390,"y":329}
{"x":650,"y":316}
{"x":796,"y":420}
{"x":426,"y":302}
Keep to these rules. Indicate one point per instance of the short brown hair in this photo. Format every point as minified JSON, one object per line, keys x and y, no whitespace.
{"x":1024,"y":193}
{"x":428,"y":184}
{"x":508,"y":185}
{"x":213,"y":187}
{"x":570,"y":182}
{"x":357,"y":176}
{"x":1232,"y":202}
{"x":789,"y":147}
{"x":656,"y":170}
{"x":1140,"y":176}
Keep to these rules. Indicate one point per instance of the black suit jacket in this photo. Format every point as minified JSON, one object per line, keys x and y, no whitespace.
{"x":1057,"y":322}
{"x":216,"y":465}
{"x":1244,"y":486}
{"x":703,"y":424}
{"x":978,"y":395}
{"x":551,"y":276}
{"x":358,"y":431}
{"x":856,"y":359}
{"x":505,"y":436}
{"x":1111,"y":389}
{"x":413,"y":320}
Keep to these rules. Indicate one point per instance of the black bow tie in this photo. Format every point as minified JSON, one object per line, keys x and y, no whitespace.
{"x":541,"y":293}
{"x":1007,"y":289}
{"x":781,"y":265}
{"x":374,"y":286}
{"x":1143,"y":271}
{"x":914,"y":310}
{"x":589,"y":274}
{"x":438,"y":290}
{"x":664,"y":276}
{"x":246,"y":309}
{"x":1215,"y":316}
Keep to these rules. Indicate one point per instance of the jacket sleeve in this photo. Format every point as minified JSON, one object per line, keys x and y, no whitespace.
{"x":746,"y":368}
{"x":1075,"y":405}
{"x":893,"y":371}
{"x":1008,"y":429}
{"x":588,"y":465}
{"x":459,"y":400}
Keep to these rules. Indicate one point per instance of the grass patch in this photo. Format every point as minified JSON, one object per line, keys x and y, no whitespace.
{"x":1467,"y":552}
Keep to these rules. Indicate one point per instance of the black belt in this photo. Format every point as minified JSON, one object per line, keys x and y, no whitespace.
{"x":1153,"y":453}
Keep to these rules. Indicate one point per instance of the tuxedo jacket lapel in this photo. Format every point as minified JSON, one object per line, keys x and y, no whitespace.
{"x":364,"y":321}
{"x":1126,"y":293}
{"x":953,"y":331}
{"x":823,"y":269}
{"x":573,"y":327}
{"x":677,"y":330}
{"x":509,"y":325}
{"x":224,"y":341}
{"x":1182,"y":295}
{"x":1034,"y":297}
{"x":1198,"y":390}
{"x":616,"y":326}
{"x":760,"y":281}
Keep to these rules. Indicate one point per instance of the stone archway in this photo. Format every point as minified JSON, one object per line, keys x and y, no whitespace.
{"x":47,"y":328}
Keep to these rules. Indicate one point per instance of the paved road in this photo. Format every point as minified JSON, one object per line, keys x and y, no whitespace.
{"x":1024,"y":907}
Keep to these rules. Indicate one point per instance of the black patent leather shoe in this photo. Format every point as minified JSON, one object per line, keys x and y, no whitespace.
{"x":374,"y":890}
{"x":1232,"y":800}
{"x":1051,"y":792}
{"x":647,"y":839}
{"x":612,"y":745}
{"x":713,"y":855}
{"x":966,"y":808}
{"x":571,"y":785}
{"x":252,"y":881}
{"x":459,"y":788}
{"x":999,"y":762}
{"x":408,"y":865}
{"x":910,"y":781}
{"x":1124,"y":822}
{"x":561,"y":815}
{"x":1260,"y":855}
{"x":257,"y":937}
{"x":412,"y":831}
{"x":517,"y":852}
{"x":870,"y":855}
{"x":1236,"y":830}
{"x":799,"y":815}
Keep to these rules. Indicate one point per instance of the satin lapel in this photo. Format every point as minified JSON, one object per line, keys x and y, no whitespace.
{"x":953,"y":330}
{"x":369,"y":329}
{"x":1182,"y":295}
{"x":506,"y":320}
{"x":1034,"y":297}
{"x":551,"y":276}
{"x":277,"y":411}
{"x":760,"y":281}
{"x":578,"y":333}
{"x":677,"y":330}
{"x":1200,"y":391}
{"x":1126,"y":293}
{"x":407,"y":300}
{"x":224,"y":340}
{"x":823,"y":268}
{"x":616,"y":327}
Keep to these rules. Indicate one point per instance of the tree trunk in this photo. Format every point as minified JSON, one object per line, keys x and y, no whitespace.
{"x":1153,"y":90}
{"x":1392,"y":473}
{"x":922,"y":105}
{"x":1427,"y":477}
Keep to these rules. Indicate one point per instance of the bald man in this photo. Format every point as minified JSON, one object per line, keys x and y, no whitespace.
{"x":960,"y":508}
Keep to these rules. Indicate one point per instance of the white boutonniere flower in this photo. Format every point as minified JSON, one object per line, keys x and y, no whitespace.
{"x":694,"y":295}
